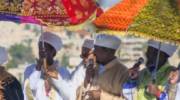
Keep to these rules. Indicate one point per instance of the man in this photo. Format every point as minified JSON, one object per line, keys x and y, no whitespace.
{"x":10,"y":88}
{"x":109,"y":75}
{"x":36,"y":85}
{"x":172,"y":88}
{"x":152,"y":80}
{"x":78,"y":74}
{"x":69,"y":86}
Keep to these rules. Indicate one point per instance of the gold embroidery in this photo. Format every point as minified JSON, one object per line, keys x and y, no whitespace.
{"x":12,"y":6}
{"x":84,"y":3}
{"x":79,"y":14}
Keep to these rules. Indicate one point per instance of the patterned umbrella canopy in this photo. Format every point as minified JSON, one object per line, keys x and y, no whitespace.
{"x":157,"y":19}
{"x":49,"y":12}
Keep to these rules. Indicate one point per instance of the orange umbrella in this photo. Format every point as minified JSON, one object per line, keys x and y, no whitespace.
{"x":155,"y":19}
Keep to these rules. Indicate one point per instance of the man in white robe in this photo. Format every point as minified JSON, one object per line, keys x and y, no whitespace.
{"x":36,"y":86}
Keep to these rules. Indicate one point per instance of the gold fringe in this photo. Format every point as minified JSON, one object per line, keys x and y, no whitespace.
{"x":72,"y":27}
{"x":138,"y":34}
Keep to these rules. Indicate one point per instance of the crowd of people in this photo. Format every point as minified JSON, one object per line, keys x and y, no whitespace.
{"x":100,"y":76}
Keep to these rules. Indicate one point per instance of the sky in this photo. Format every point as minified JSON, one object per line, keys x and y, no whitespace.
{"x":105,"y":4}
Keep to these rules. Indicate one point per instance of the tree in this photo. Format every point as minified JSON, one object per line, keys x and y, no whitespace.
{"x":179,"y":53}
{"x":20,"y":54}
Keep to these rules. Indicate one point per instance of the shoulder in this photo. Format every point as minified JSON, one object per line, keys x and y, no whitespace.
{"x":29,"y":69}
{"x":120,"y":65}
{"x":5,"y":76}
{"x":12,"y":89}
{"x":64,"y":72}
{"x":7,"y":80}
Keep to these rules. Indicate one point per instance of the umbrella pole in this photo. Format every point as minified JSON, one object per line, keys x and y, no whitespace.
{"x":43,"y":47}
{"x":157,"y":62}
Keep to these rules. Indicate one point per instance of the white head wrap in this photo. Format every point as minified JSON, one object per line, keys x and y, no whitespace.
{"x":108,"y":41}
{"x":164,"y":47}
{"x":88,"y":43}
{"x":52,"y":39}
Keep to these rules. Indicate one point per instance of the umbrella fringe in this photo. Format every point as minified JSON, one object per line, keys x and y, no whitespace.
{"x":139,"y":34}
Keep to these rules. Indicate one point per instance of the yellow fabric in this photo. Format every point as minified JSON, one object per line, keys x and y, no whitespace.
{"x":28,"y":91}
{"x":52,"y":94}
{"x":29,"y":94}
{"x":145,"y":79}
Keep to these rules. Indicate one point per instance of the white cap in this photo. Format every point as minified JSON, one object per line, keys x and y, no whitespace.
{"x":3,"y":56}
{"x":164,"y":47}
{"x":52,"y":39}
{"x":108,"y":41}
{"x":88,"y":43}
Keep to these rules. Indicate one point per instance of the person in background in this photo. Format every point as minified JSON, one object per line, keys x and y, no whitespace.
{"x":150,"y":80}
{"x":172,"y":88}
{"x":36,"y":84}
{"x":76,"y":78}
{"x":105,"y":71}
{"x":10,"y":87}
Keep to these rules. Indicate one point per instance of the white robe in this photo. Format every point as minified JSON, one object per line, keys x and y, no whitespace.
{"x":178,"y":92}
{"x":37,"y":83}
{"x":68,"y":88}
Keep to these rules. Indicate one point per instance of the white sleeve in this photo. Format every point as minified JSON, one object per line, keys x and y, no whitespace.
{"x":64,"y":88}
{"x":67,"y":88}
{"x":29,"y":69}
{"x":77,"y":78}
{"x":178,"y":91}
{"x":34,"y":78}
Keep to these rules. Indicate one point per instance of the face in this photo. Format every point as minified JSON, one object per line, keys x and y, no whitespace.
{"x":174,"y":76}
{"x":85,"y":52}
{"x":50,"y":52}
{"x":151,"y":55}
{"x":103,"y":54}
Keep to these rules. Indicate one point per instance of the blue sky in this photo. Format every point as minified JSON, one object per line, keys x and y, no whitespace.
{"x":108,"y":3}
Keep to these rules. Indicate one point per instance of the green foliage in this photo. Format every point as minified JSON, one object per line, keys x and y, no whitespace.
{"x":27,"y":27}
{"x":159,"y":19}
{"x":65,"y":60}
{"x":179,"y":53}
{"x":20,"y":54}
{"x":36,"y":30}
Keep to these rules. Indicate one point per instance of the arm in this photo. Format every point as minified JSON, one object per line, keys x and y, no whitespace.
{"x":67,"y":86}
{"x":64,"y":88}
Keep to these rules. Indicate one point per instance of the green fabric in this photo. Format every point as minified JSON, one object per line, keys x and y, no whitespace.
{"x":172,"y":92}
{"x":145,"y":79}
{"x":159,"y":20}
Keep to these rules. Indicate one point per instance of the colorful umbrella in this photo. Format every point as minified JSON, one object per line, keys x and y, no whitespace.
{"x":10,"y":10}
{"x":49,"y":12}
{"x":157,"y":19}
{"x":11,"y":6}
{"x":59,"y":12}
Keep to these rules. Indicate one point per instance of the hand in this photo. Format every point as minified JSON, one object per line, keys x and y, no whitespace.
{"x":90,"y":56}
{"x":94,"y":94}
{"x":52,"y":72}
{"x":133,"y":73}
{"x":153,"y":89}
{"x":90,"y":72}
{"x":173,"y":76}
{"x":42,"y":55}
